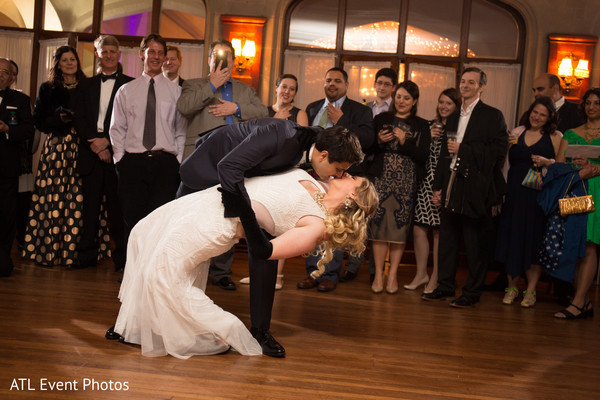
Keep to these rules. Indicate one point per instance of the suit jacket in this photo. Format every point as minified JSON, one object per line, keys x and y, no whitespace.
{"x":180,"y":81}
{"x":357,"y":118}
{"x":259,"y":147}
{"x":478,"y":182}
{"x":569,"y":117}
{"x":10,"y":147}
{"x":197,"y":95}
{"x":86,"y":118}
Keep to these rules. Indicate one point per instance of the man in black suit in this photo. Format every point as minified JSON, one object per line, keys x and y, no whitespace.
{"x":95,"y":162}
{"x":468,"y":184}
{"x":568,"y":113}
{"x":172,"y":64}
{"x":16,"y":126}
{"x":264,"y":146}
{"x":337,"y":110}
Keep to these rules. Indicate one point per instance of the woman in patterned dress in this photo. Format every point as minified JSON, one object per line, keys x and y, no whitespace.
{"x":397,"y":166}
{"x":586,"y":134}
{"x":54,"y":220}
{"x":427,"y":215}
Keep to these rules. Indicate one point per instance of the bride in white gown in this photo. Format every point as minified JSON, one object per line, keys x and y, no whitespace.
{"x":164,"y":307}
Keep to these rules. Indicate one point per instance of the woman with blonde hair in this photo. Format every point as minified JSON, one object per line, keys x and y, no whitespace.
{"x":164,"y":307}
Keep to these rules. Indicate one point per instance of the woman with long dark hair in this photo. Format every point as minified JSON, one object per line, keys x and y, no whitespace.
{"x":534,"y":144}
{"x":400,"y":153}
{"x":55,"y":214}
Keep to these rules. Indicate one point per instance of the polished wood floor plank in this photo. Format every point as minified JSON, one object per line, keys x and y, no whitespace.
{"x":347,"y":344}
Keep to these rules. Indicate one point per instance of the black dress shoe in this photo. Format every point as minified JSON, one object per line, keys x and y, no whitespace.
{"x":464,"y":302}
{"x":226,"y":284}
{"x":270,"y":346}
{"x":437,"y":294}
{"x":348,"y":276}
{"x":112,"y":335}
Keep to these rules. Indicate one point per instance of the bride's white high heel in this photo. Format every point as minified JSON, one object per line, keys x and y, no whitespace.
{"x":245,"y":281}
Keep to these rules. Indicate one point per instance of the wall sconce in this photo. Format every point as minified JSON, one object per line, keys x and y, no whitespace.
{"x":571,"y":77}
{"x":245,"y":51}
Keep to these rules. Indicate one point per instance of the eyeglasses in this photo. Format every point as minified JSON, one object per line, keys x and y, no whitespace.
{"x":382,"y":83}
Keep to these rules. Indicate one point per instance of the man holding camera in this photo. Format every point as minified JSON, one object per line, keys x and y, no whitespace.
{"x":213,"y":101}
{"x":217,"y":99}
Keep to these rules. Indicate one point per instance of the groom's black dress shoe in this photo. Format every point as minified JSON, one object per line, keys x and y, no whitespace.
{"x":112,"y":335}
{"x":270,"y":346}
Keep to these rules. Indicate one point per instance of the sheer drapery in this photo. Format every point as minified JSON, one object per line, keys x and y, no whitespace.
{"x":432,"y":80}
{"x":18,"y":46}
{"x":191,"y":66}
{"x":47,"y":49}
{"x":361,"y":79}
{"x":310,"y":69}
{"x":502,"y":88}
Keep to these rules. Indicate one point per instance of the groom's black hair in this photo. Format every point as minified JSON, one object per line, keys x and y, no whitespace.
{"x":341,"y":144}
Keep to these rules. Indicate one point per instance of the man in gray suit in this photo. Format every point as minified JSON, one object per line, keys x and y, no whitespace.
{"x":217,"y":99}
{"x":208,"y":103}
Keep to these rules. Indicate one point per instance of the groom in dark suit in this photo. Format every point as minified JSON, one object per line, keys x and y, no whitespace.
{"x":95,"y":161}
{"x":16,"y":126}
{"x":468,"y":184}
{"x":265,"y":146}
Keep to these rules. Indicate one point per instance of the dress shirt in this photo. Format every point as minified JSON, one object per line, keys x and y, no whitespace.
{"x":385,"y":106}
{"x":559,"y":103}
{"x":337,"y":104}
{"x":129,"y":114}
{"x":106,"y":89}
{"x":463,"y":122}
{"x":175,"y":80}
{"x":227,"y":95}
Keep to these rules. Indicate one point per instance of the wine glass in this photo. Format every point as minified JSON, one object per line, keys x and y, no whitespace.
{"x":451,"y":136}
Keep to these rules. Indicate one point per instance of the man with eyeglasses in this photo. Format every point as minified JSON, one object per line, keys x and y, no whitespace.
{"x":16,"y":126}
{"x":386,"y":80}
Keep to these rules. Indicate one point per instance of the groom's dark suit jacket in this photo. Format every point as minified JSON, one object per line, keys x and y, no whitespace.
{"x":229,"y":153}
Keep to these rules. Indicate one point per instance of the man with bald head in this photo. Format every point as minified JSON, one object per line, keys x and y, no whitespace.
{"x":16,"y":126}
{"x":568,"y":113}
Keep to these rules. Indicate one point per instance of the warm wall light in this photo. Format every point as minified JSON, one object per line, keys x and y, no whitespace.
{"x":245,"y":51}
{"x":572,"y":77}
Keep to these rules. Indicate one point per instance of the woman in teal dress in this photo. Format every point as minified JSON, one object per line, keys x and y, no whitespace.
{"x":586,"y":134}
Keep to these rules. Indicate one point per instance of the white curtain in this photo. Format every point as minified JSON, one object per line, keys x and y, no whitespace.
{"x":432,"y":80}
{"x":502,"y":88}
{"x":191,"y":66}
{"x":18,"y":46}
{"x":47,"y":49}
{"x":361,"y":78}
{"x":310,"y":69}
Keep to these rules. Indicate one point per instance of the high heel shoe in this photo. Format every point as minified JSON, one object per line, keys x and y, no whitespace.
{"x":416,"y":285}
{"x":245,"y":281}
{"x":278,"y":286}
{"x":528,"y":299}
{"x":511,"y":294}
{"x":584,"y":312}
{"x":391,"y":290}
{"x":376,"y":289}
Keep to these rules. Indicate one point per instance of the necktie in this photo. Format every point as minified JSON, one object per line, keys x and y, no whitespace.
{"x":149,"y":139}
{"x":323,"y":120}
{"x":106,"y":77}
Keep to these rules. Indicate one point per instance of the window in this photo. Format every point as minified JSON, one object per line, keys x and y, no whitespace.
{"x":314,"y":24}
{"x":372,"y":25}
{"x":493,"y":33}
{"x":68,"y":16}
{"x":182,"y":19}
{"x":132,"y":18}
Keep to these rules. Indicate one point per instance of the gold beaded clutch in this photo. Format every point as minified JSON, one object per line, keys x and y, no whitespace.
{"x":576,"y":205}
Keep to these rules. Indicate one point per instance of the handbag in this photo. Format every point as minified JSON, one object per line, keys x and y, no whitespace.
{"x":533,"y":179}
{"x":577,"y":204}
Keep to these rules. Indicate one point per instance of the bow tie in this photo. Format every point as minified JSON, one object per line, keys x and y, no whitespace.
{"x":105,"y":77}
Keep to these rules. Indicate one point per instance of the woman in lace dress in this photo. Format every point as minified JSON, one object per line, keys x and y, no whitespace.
{"x":164,"y":307}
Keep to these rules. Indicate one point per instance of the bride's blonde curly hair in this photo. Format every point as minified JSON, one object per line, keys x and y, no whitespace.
{"x":346,"y":226}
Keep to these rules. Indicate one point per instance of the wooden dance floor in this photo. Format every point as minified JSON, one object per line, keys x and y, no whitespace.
{"x":347,"y":344}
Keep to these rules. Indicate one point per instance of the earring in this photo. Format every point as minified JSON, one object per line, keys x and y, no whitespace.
{"x":348,"y":201}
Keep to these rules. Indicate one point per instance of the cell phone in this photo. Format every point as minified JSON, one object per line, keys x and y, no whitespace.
{"x":388,"y":127}
{"x":221,"y":57}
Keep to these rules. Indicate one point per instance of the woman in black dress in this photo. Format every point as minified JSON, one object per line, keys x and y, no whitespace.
{"x":286,"y":88}
{"x":400,"y":153}
{"x":520,"y":231}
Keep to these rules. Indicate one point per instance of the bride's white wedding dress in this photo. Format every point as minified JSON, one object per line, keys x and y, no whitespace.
{"x":164,"y":307}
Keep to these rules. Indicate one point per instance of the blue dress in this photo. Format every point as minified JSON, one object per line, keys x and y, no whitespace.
{"x":522,"y":221}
